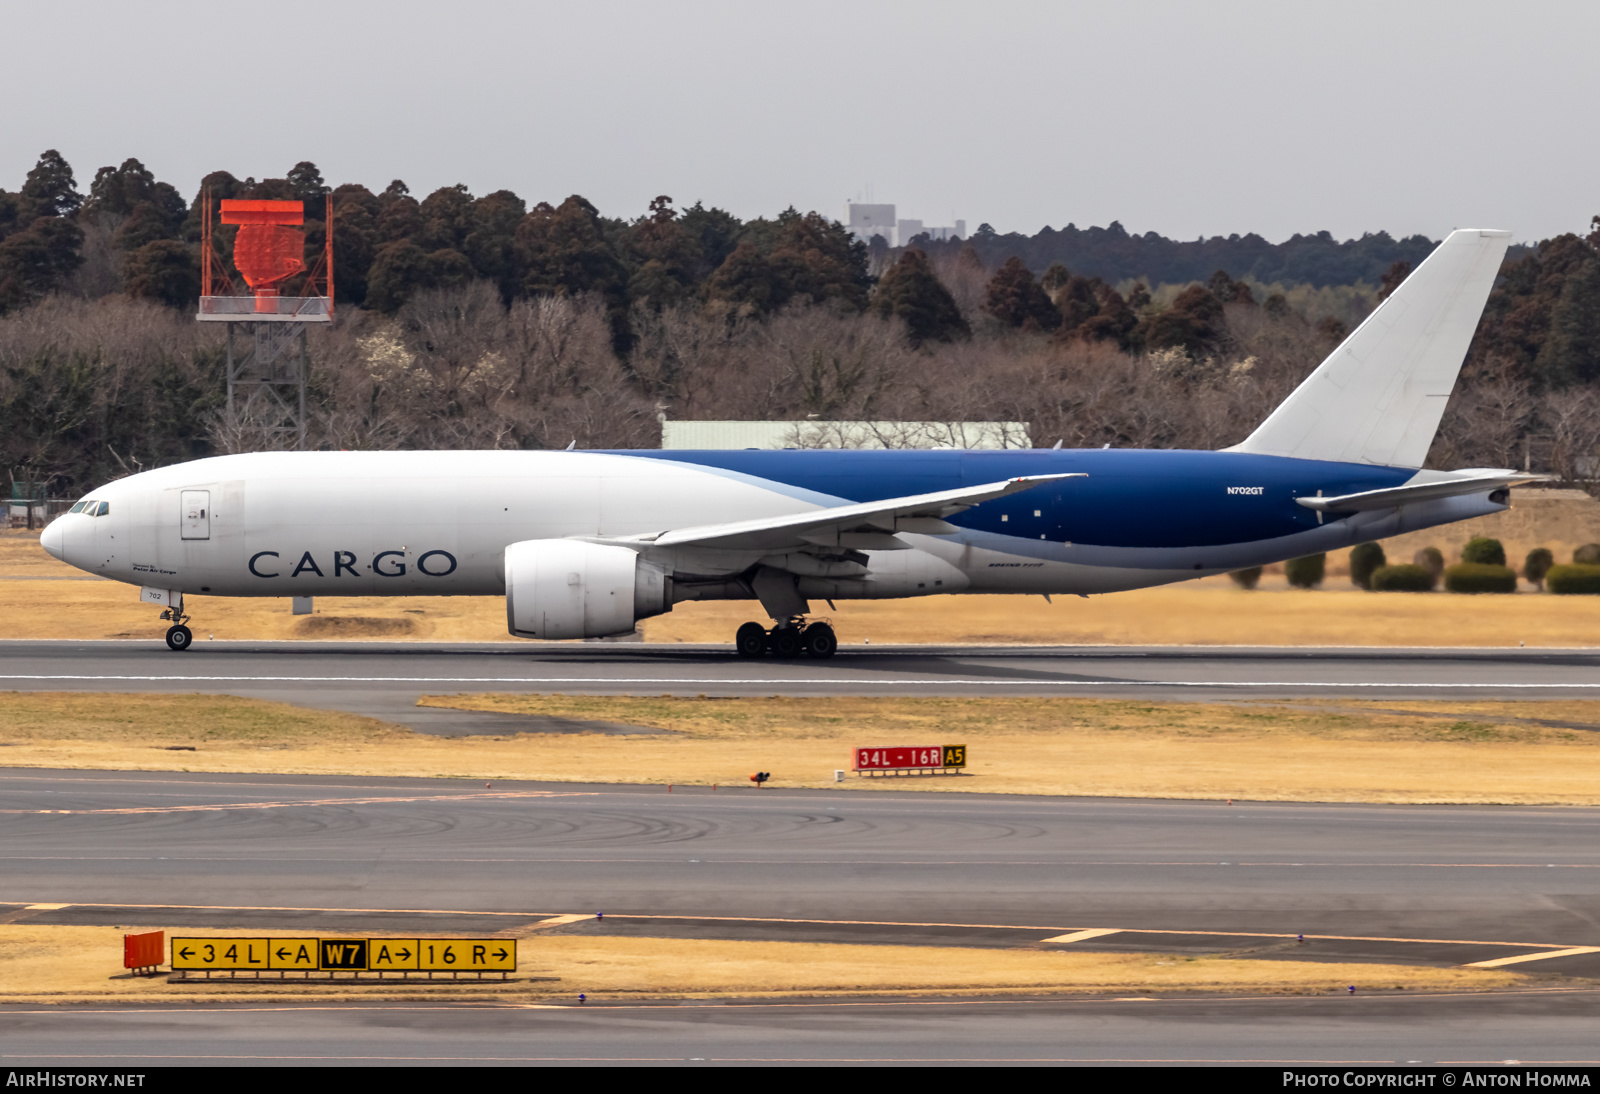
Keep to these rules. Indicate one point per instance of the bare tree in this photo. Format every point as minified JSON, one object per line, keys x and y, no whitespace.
{"x":1573,"y":420}
{"x":1484,"y":425}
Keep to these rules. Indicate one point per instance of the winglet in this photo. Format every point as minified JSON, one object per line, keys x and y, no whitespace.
{"x":1378,"y":398}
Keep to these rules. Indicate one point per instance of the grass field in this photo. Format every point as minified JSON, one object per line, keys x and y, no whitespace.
{"x":83,"y":964}
{"x":1482,"y":752}
{"x":1208,"y":611}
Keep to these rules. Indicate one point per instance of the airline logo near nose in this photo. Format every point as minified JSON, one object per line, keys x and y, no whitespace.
{"x":343,"y":564}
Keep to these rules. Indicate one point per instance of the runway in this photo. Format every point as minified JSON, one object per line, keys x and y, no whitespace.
{"x":384,"y":679}
{"x":1375,"y":1030}
{"x":1433,"y":885}
{"x":1363,"y":883}
{"x":1451,"y":873}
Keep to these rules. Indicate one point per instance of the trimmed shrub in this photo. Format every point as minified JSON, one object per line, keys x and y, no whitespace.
{"x":1304,"y":573}
{"x":1480,"y":577}
{"x":1483,"y":551}
{"x":1403,"y":578}
{"x":1430,"y":559}
{"x":1365,"y":559}
{"x":1536,"y":565}
{"x":1570,"y":580}
{"x":1247,"y":579}
{"x":1587,"y":555}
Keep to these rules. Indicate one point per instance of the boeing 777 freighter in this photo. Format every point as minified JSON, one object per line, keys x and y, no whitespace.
{"x":585,"y":544}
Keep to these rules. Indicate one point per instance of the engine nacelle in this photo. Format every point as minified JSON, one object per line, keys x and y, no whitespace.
{"x":563,"y":588}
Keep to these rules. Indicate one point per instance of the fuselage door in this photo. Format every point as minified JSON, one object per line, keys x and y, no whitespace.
{"x":196,"y":514}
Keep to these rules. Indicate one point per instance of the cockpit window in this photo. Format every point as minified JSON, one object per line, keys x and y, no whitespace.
{"x":78,"y":508}
{"x":105,"y":507}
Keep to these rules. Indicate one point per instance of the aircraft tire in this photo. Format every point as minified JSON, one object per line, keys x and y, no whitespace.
{"x":751,"y":640}
{"x":819,"y":641}
{"x":179,"y":638}
{"x":785,"y":642}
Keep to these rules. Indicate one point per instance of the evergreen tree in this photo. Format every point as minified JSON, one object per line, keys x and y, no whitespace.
{"x":398,"y":271}
{"x":1016,"y":299}
{"x":355,"y":241}
{"x":748,"y":281}
{"x":164,"y":270}
{"x":38,"y":260}
{"x":715,"y":233}
{"x":1055,"y":279}
{"x":911,"y":291}
{"x":491,"y":240}
{"x":1078,"y":301}
{"x":307,"y":185}
{"x":796,"y":257}
{"x":567,"y":252}
{"x":50,"y":190}
{"x":1192,"y":322}
{"x":1571,"y":351}
{"x":663,"y":254}
{"x":1521,"y":307}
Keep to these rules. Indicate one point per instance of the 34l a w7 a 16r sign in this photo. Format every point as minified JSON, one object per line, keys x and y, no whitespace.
{"x":345,"y":955}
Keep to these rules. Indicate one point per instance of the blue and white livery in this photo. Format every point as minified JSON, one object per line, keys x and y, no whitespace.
{"x":585,"y":544}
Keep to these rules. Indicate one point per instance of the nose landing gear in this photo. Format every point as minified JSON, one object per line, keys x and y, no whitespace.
{"x":179,"y":637}
{"x":790,"y":638}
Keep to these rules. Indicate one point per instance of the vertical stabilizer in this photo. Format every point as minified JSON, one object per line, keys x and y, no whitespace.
{"x":1378,"y":398}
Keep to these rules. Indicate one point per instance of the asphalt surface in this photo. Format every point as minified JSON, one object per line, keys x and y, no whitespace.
{"x":1529,"y":1028}
{"x":1493,"y":874}
{"x":384,"y":680}
{"x":1429,"y":885}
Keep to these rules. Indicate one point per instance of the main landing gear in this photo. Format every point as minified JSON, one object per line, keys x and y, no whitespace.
{"x":790,"y":638}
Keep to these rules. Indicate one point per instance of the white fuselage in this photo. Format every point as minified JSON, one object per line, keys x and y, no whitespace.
{"x":438,"y":523}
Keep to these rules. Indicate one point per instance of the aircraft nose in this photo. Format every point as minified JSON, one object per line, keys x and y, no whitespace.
{"x":52,"y":539}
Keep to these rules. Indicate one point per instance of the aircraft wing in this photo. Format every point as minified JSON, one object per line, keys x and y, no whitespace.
{"x":1471,"y":482}
{"x":868,"y":525}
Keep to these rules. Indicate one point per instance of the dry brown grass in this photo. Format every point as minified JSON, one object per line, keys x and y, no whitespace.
{"x":1368,"y":752}
{"x":83,"y":964}
{"x":1208,"y":611}
{"x":154,"y":720}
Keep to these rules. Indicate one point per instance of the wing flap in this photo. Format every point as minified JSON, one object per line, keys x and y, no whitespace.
{"x":918,"y":513}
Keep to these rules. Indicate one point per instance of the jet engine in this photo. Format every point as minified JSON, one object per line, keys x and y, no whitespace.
{"x":565,"y":588}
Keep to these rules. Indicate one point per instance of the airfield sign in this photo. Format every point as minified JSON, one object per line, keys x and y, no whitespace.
{"x":909,"y":758}
{"x":453,"y":955}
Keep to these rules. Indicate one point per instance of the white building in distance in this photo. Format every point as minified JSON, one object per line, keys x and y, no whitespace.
{"x":866,"y":221}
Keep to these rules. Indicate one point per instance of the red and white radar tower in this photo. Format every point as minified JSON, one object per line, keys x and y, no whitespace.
{"x":267,"y":325}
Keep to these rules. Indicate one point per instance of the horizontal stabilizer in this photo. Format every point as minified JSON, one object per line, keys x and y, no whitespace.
{"x":1452,"y":486}
{"x":917,"y":513}
{"x":1378,"y":398}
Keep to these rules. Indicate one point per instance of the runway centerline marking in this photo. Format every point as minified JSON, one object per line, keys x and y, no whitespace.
{"x":214,"y":807}
{"x":734,"y":681}
{"x":1495,"y":963}
{"x":673,"y":856}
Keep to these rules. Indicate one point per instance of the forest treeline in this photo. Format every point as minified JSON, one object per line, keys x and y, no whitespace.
{"x":469,"y":321}
{"x":1114,"y":254}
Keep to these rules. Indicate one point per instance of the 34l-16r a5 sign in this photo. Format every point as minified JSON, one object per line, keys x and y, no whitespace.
{"x":900,"y":758}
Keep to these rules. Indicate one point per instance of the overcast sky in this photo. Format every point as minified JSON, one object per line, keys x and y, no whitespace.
{"x":1183,"y":118}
